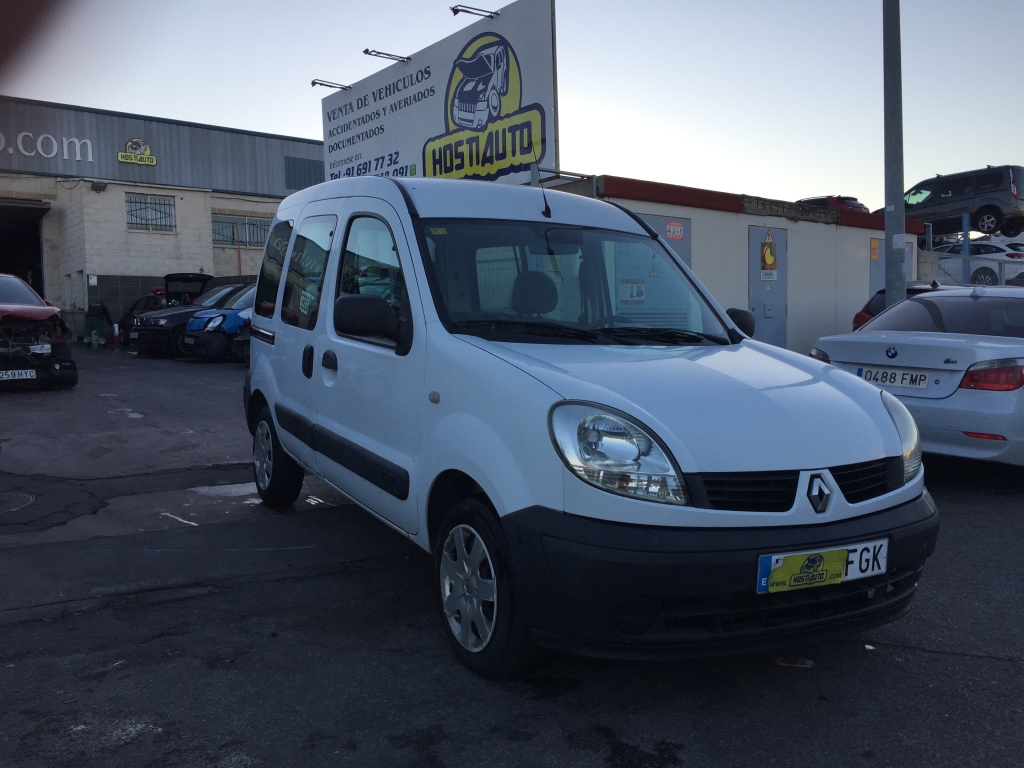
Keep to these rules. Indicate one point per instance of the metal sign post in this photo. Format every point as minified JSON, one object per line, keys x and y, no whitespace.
{"x":895,"y":221}
{"x":965,"y":246}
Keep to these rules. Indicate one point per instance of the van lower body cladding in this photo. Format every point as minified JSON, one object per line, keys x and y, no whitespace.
{"x":616,"y":590}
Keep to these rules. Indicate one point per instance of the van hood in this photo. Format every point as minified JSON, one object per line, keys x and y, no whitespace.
{"x":739,"y":408}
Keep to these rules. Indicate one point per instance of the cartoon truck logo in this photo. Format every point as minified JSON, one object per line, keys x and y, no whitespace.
{"x":477,"y":99}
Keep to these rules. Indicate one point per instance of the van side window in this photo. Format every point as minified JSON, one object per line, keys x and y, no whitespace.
{"x":300,"y":304}
{"x":270,"y":272}
{"x":371,"y":265}
{"x":950,"y":189}
{"x":988,"y":181}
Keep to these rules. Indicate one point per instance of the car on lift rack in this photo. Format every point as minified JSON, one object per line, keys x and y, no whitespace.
{"x":210,"y":334}
{"x":992,"y":196}
{"x":160,"y":331}
{"x":35,"y":342}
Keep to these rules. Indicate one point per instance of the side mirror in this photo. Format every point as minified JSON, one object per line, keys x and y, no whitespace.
{"x":744,"y":320}
{"x":364,"y":315}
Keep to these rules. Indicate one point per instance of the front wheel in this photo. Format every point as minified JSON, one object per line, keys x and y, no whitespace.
{"x":278,"y":477}
{"x":1013,"y":227}
{"x":482,"y":621}
{"x":984,"y":276}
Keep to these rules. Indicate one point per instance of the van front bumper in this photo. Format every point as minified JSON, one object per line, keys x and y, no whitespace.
{"x":629,"y":591}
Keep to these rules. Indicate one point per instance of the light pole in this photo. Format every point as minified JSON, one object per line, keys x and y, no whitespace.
{"x":895,"y":219}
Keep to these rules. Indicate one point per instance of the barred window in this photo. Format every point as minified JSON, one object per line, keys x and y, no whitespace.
{"x":240,"y":230}
{"x":150,"y":213}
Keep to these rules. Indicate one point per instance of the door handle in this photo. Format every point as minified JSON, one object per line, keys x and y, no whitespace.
{"x":307,"y":362}
{"x":330,"y":361}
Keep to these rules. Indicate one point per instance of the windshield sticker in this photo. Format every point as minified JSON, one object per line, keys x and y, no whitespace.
{"x":769,"y":264}
{"x":489,"y":132}
{"x":631,"y":291}
{"x":306,"y":301}
{"x":438,"y":231}
{"x":654,"y":270}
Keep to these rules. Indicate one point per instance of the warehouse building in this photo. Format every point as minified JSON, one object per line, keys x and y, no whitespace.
{"x":97,"y":204}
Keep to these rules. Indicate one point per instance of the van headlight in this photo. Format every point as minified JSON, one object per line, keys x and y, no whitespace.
{"x":608,"y":449}
{"x":909,"y":436}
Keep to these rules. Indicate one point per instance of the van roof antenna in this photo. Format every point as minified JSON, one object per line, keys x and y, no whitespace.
{"x":546,"y":213}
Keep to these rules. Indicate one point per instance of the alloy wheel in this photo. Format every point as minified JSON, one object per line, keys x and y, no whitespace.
{"x":263,"y":455}
{"x":987,"y":222}
{"x":468,"y":588}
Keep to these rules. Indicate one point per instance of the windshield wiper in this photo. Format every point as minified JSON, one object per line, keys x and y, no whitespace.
{"x":530,"y":326}
{"x":662,"y":335}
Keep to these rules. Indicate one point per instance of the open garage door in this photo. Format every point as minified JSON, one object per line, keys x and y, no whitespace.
{"x":21,"y":251}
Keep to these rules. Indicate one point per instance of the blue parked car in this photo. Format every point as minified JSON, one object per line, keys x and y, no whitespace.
{"x":210,"y":332}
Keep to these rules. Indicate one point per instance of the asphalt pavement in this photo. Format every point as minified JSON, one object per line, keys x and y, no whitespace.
{"x":154,"y":613}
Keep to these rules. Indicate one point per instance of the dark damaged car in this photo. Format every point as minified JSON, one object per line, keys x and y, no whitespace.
{"x":161,"y":331}
{"x":35,"y":342}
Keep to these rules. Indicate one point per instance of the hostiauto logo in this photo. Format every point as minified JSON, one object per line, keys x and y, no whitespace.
{"x":489,"y":133}
{"x":47,"y":146}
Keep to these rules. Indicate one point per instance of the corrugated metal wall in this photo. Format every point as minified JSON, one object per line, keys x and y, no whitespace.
{"x":52,"y":139}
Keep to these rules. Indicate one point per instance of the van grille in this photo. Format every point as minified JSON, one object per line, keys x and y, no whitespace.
{"x":860,"y":482}
{"x":751,"y":491}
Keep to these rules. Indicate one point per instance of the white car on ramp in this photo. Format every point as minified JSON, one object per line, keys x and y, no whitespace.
{"x":956,"y":359}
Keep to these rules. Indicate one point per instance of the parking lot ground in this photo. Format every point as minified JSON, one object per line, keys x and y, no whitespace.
{"x":235,"y":635}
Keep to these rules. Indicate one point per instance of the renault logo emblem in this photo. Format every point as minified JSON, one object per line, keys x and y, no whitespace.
{"x":818,"y":493}
{"x":891,"y":352}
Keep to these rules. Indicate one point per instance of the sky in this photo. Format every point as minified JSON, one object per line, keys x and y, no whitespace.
{"x":777,"y":98}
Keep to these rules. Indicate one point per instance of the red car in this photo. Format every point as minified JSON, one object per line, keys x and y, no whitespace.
{"x":877,"y":302}
{"x":35,"y":342}
{"x":842,"y":202}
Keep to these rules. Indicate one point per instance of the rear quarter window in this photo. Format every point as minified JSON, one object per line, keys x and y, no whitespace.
{"x":986,"y":182}
{"x":270,"y":273}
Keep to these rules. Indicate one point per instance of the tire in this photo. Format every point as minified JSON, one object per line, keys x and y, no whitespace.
{"x":175,"y":345}
{"x":987,"y":220}
{"x":1013,"y":227}
{"x":494,"y":103}
{"x":278,"y":477}
{"x":476,"y":598}
{"x":984,"y":276}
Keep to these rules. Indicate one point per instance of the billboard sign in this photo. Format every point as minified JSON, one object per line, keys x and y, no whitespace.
{"x":480,"y":104}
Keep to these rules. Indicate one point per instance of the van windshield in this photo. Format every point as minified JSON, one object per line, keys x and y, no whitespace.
{"x":534,"y":282}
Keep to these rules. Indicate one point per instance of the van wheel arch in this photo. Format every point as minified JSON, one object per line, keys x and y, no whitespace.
{"x":256,"y":403}
{"x":988,"y":216}
{"x":448,"y":488}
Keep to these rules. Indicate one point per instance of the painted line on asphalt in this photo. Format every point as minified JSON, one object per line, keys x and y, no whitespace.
{"x":168,"y":514}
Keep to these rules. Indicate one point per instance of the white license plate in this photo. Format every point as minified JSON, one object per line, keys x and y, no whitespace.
{"x":895,"y":377}
{"x":16,"y":375}
{"x":188,"y":339}
{"x":133,"y":335}
{"x":819,"y":568}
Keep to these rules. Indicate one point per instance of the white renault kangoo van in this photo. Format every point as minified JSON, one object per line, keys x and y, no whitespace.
{"x":533,"y":388}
